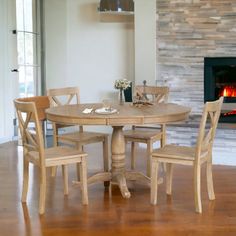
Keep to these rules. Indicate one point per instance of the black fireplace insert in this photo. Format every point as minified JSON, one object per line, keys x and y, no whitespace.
{"x":220,"y":80}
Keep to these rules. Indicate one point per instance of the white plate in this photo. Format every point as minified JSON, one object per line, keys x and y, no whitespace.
{"x":105,"y":111}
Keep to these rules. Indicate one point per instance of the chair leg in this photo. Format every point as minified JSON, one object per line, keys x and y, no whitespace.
{"x":53,"y":171}
{"x":105,"y":155}
{"x":106,"y":159}
{"x":133,"y":157}
{"x":42,"y":192}
{"x":197,"y":188}
{"x":169,"y":175}
{"x":65,"y":179}
{"x":163,"y":138}
{"x":80,"y":148}
{"x":55,"y":143}
{"x":25,"y":181}
{"x":83,"y":181}
{"x":163,"y":143}
{"x":149,"y":156}
{"x":44,"y":133}
{"x":154,"y":182}
{"x":210,"y":187}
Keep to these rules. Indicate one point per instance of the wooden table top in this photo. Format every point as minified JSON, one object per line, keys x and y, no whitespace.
{"x":127,"y":114}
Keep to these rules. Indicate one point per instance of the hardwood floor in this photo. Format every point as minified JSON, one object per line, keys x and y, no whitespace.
{"x":108,"y":213}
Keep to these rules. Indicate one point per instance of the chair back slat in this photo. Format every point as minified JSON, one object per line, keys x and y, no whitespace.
{"x":41,"y":103}
{"x":30,"y":128}
{"x":63,"y":96}
{"x":206,"y":133}
{"x":153,"y":93}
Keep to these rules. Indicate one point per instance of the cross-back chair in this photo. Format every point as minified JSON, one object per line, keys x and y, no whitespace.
{"x":194,"y":156}
{"x":35,"y":153}
{"x":144,"y":134}
{"x":81,"y":137}
{"x":41,"y":103}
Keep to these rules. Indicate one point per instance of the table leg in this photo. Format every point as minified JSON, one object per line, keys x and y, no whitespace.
{"x":118,"y":160}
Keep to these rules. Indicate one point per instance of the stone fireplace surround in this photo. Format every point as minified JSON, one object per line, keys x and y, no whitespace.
{"x":187,"y":32}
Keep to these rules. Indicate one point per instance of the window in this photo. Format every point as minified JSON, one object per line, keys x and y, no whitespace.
{"x":28,"y":39}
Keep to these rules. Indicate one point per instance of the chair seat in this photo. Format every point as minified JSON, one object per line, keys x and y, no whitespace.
{"x":83,"y":137}
{"x":143,"y":134}
{"x":57,"y":156}
{"x":175,"y":152}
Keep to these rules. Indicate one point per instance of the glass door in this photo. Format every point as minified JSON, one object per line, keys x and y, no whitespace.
{"x":28,"y":38}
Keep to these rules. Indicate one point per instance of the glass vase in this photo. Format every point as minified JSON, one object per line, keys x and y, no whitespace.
{"x":121,"y":97}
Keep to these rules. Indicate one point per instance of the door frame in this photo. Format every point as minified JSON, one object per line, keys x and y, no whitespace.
{"x":9,"y":79}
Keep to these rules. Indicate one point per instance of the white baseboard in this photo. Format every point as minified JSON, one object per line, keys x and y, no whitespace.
{"x":5,"y":139}
{"x":220,"y":158}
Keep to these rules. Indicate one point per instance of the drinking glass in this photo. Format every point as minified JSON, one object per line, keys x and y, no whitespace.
{"x":106,"y":104}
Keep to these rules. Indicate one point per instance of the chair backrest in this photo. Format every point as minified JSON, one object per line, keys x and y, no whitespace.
{"x":153,"y":93}
{"x":32,"y":138}
{"x":63,"y":96}
{"x":206,"y":133}
{"x":41,"y":103}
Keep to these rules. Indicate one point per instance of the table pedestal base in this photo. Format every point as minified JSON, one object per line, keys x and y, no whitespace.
{"x":118,"y":175}
{"x":118,"y":160}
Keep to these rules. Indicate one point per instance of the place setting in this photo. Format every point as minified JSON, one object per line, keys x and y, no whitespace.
{"x":106,"y":109}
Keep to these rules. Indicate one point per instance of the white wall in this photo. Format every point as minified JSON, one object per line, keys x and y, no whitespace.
{"x":56,"y":43}
{"x":84,"y":50}
{"x":145,"y":41}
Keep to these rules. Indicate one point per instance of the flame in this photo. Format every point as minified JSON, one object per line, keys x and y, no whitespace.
{"x":233,"y":112}
{"x":228,"y":91}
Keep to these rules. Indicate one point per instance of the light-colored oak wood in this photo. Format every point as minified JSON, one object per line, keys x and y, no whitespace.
{"x":153,"y":93}
{"x":144,"y":134}
{"x":35,"y":153}
{"x":127,"y":114}
{"x":118,"y":162}
{"x":41,"y":103}
{"x":66,"y":96}
{"x":194,"y":156}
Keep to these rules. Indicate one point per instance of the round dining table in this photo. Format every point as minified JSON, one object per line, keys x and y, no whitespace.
{"x":126,"y":114}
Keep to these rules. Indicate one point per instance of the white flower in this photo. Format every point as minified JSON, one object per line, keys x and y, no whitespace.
{"x":122,"y":84}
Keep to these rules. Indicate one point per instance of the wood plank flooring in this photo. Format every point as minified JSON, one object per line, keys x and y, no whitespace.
{"x":108,"y":213}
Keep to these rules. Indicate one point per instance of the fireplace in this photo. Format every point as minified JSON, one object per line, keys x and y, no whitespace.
{"x":220,"y":80}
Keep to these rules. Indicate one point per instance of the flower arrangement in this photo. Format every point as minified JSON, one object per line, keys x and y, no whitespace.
{"x":122,"y":84}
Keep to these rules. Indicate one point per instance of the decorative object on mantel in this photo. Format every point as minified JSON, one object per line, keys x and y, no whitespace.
{"x":141,"y":98}
{"x":140,"y":103}
{"x":144,"y":95}
{"x":122,"y":84}
{"x":116,"y":6}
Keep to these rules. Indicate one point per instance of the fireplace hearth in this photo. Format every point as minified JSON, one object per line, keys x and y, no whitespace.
{"x":220,"y":80}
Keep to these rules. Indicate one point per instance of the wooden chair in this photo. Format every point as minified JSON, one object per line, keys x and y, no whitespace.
{"x":35,"y":153}
{"x":41,"y":103}
{"x":81,"y":137}
{"x":144,"y":134}
{"x":194,"y":156}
